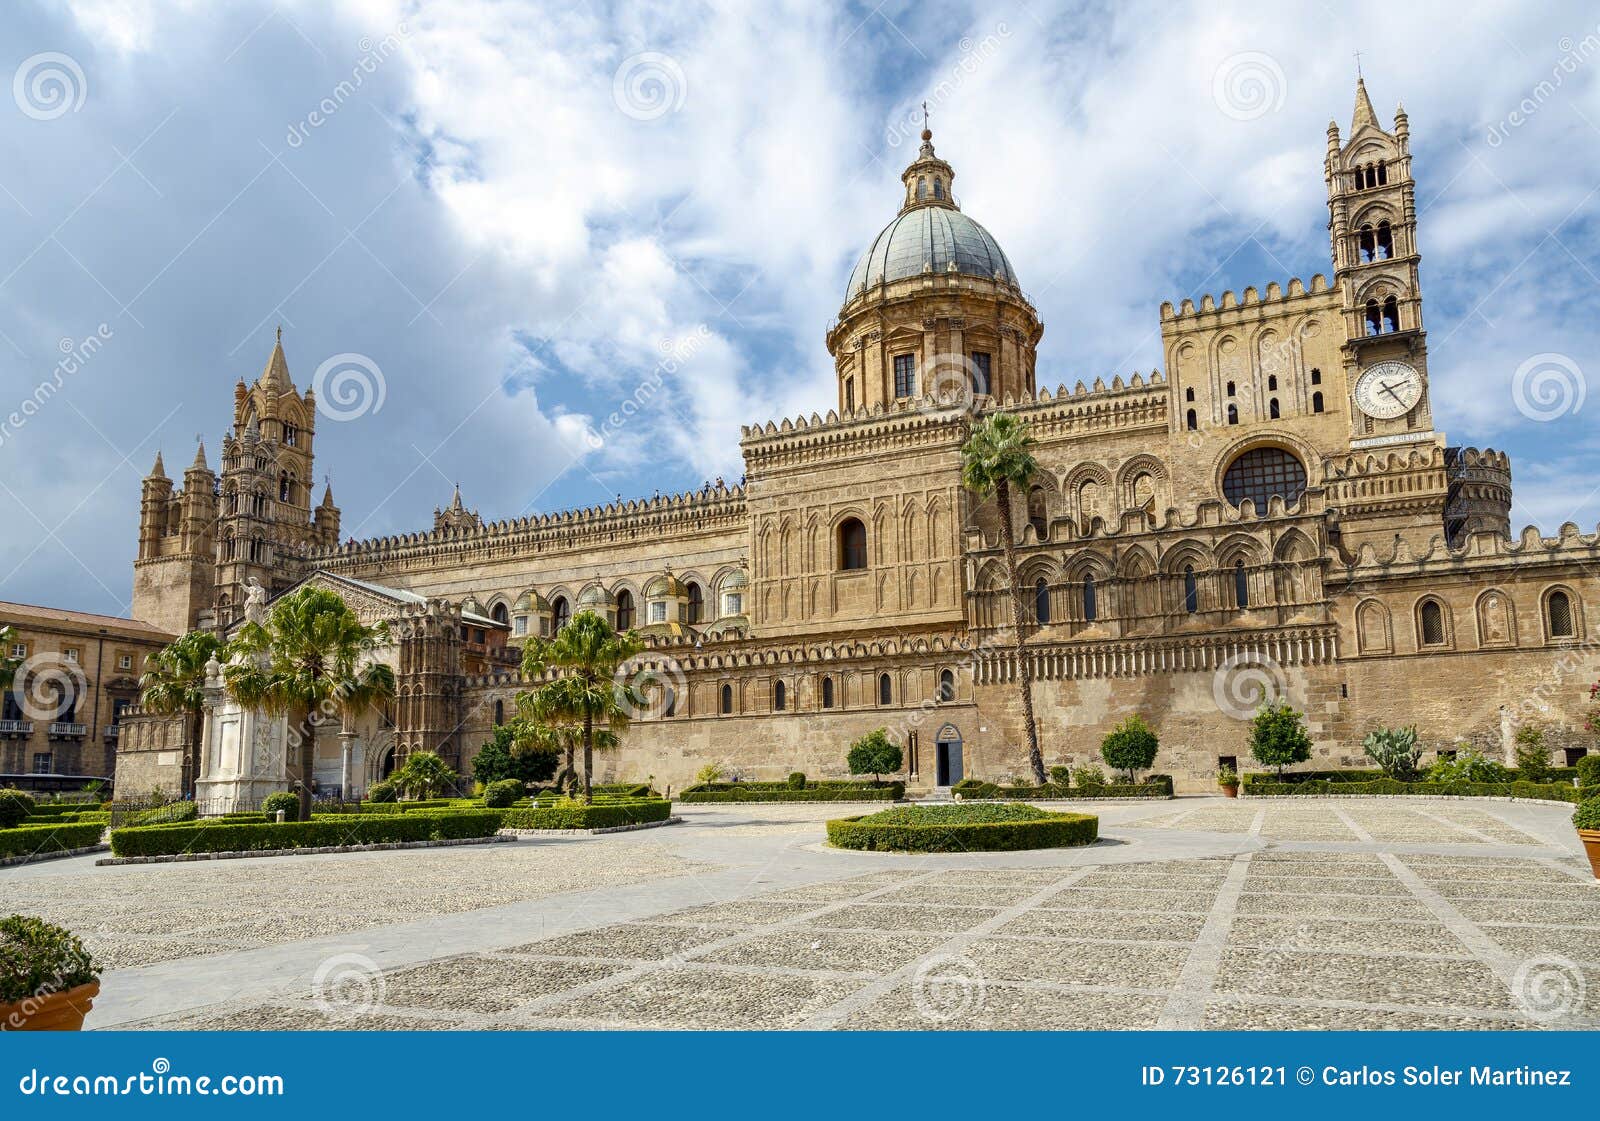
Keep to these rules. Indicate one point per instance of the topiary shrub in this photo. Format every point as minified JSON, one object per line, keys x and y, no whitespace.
{"x":797,"y":780}
{"x":873,"y":754}
{"x":962,"y":828}
{"x":1061,"y":776}
{"x":169,"y":814}
{"x":1589,"y":770}
{"x":41,"y":958}
{"x":1533,"y":757}
{"x":383,"y":792}
{"x":1395,"y":750}
{"x":1278,"y":736}
{"x":282,"y":800}
{"x":1130,"y":746}
{"x":15,"y":806}
{"x":505,"y":792}
{"x":1587,"y":815}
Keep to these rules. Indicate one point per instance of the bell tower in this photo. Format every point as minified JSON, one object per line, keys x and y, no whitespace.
{"x":1372,"y":225}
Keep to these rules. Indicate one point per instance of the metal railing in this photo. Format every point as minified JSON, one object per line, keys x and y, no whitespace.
{"x":67,"y":728}
{"x":16,"y":727}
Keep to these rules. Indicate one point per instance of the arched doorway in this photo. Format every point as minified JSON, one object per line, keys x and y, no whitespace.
{"x":386,"y":763}
{"x":947,"y":767}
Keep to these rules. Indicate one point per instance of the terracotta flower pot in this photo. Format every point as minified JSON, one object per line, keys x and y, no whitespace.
{"x":1591,"y":846}
{"x":1230,"y":791}
{"x":63,"y":1011}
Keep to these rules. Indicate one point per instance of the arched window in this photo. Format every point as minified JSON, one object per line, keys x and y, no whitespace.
{"x":1368,"y":245}
{"x":624,"y":610}
{"x":1091,"y":608}
{"x":852,"y":544}
{"x":1391,"y":315}
{"x":1558,"y":612}
{"x":1230,"y":389}
{"x":499,"y":614}
{"x":1374,"y":318}
{"x":1036,"y":513}
{"x":1316,"y":376}
{"x":1191,"y":590}
{"x":1188,"y":394}
{"x":947,"y":685}
{"x":1260,"y":473}
{"x":1272,"y":383}
{"x":885,"y":689}
{"x":1385,"y":241}
{"x":1432,"y":623}
{"x":938,"y":188}
{"x":669,"y":701}
{"x":1190,"y":421}
{"x":697,"y":602}
{"x":780,"y":696}
{"x":1233,"y":414}
{"x":499,"y":713}
{"x":1273,"y":411}
{"x":1241,"y":586}
{"x":560,"y":614}
{"x":922,"y":188}
{"x":827,"y":692}
{"x":727,"y":700}
{"x":1383,"y":174}
{"x":1041,"y":602}
{"x":1316,"y":401}
{"x":981,"y":368}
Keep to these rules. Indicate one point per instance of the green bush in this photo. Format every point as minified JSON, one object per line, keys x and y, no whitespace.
{"x":1156,"y":786}
{"x":498,"y":759}
{"x":797,"y":780}
{"x":1061,"y":776}
{"x":1130,"y":746}
{"x":34,"y":840}
{"x":40,"y":958}
{"x":962,"y":828}
{"x":288,"y":803}
{"x":1587,"y":815}
{"x":1589,"y":770}
{"x":1261,"y":785}
{"x":575,"y":815}
{"x":15,"y":806}
{"x":502,"y":793}
{"x":383,"y":792}
{"x":627,"y":789}
{"x":1468,"y":766}
{"x":783,"y":792}
{"x":322,"y":830}
{"x":1278,"y":736}
{"x":1395,"y":750}
{"x":1089,"y":778}
{"x":873,"y":754}
{"x":1533,"y":757}
{"x":168,"y":814}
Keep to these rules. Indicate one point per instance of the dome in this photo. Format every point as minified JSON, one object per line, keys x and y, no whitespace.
{"x":664,"y":586}
{"x":595,"y":596}
{"x":930,"y":239}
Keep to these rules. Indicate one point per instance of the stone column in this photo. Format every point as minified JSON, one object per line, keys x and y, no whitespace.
{"x":346,"y":752}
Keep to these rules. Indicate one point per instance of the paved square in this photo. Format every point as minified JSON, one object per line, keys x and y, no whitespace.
{"x":1350,"y":914}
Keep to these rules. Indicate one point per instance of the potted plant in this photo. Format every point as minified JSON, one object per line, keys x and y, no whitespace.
{"x":48,"y":981}
{"x":1587,"y":822}
{"x":1228,"y":779}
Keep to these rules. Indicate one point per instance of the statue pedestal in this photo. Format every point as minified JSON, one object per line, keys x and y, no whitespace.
{"x":243,"y":754}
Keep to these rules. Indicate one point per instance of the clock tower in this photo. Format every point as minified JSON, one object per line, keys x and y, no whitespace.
{"x":1372,"y":224}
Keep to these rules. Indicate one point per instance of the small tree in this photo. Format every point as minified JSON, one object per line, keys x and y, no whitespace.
{"x":174,"y":684}
{"x":501,"y":757}
{"x":424,"y":775}
{"x":1130,"y":746}
{"x":1395,"y":750}
{"x":1533,"y":757}
{"x":873,"y":754}
{"x":8,"y":664}
{"x":1278,"y":736}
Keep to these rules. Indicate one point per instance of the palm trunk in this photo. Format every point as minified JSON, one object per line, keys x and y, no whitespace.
{"x":191,"y":754}
{"x":1002,"y":494}
{"x":588,"y":757}
{"x":308,"y":759}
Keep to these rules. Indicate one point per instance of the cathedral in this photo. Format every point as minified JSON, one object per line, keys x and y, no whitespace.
{"x":1273,"y":514}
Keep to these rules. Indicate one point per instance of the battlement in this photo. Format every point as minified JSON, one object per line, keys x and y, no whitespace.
{"x":1530,"y":547}
{"x":1252,"y":299}
{"x":690,"y":509}
{"x":1352,"y":473}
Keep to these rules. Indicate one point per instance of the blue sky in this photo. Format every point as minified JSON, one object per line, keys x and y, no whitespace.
{"x":521,"y":213}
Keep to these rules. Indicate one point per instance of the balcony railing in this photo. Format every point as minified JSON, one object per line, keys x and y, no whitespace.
{"x":67,"y":730}
{"x":16,"y":727}
{"x":113,"y":731}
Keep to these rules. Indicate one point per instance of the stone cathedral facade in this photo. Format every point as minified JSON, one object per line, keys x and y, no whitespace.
{"x":1274,"y":511}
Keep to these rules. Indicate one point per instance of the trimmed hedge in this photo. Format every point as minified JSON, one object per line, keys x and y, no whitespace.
{"x":213,"y":835}
{"x":1552,"y":791}
{"x":782,"y":792}
{"x":27,"y":840}
{"x":942,"y":832}
{"x":1557,"y":774}
{"x":1157,"y":786}
{"x":599,"y":815}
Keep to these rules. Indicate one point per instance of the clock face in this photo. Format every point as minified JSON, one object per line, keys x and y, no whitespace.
{"x":1388,"y":390}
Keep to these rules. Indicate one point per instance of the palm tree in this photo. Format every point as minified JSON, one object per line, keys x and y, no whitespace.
{"x":586,"y":692}
{"x":174,"y":684}
{"x":997,"y":456}
{"x":535,"y":731}
{"x":312,"y":655}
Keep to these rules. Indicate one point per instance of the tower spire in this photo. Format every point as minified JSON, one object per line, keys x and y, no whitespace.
{"x":1364,"y":114}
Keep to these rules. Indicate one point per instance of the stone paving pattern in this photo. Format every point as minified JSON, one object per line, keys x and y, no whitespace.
{"x":1200,"y":914}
